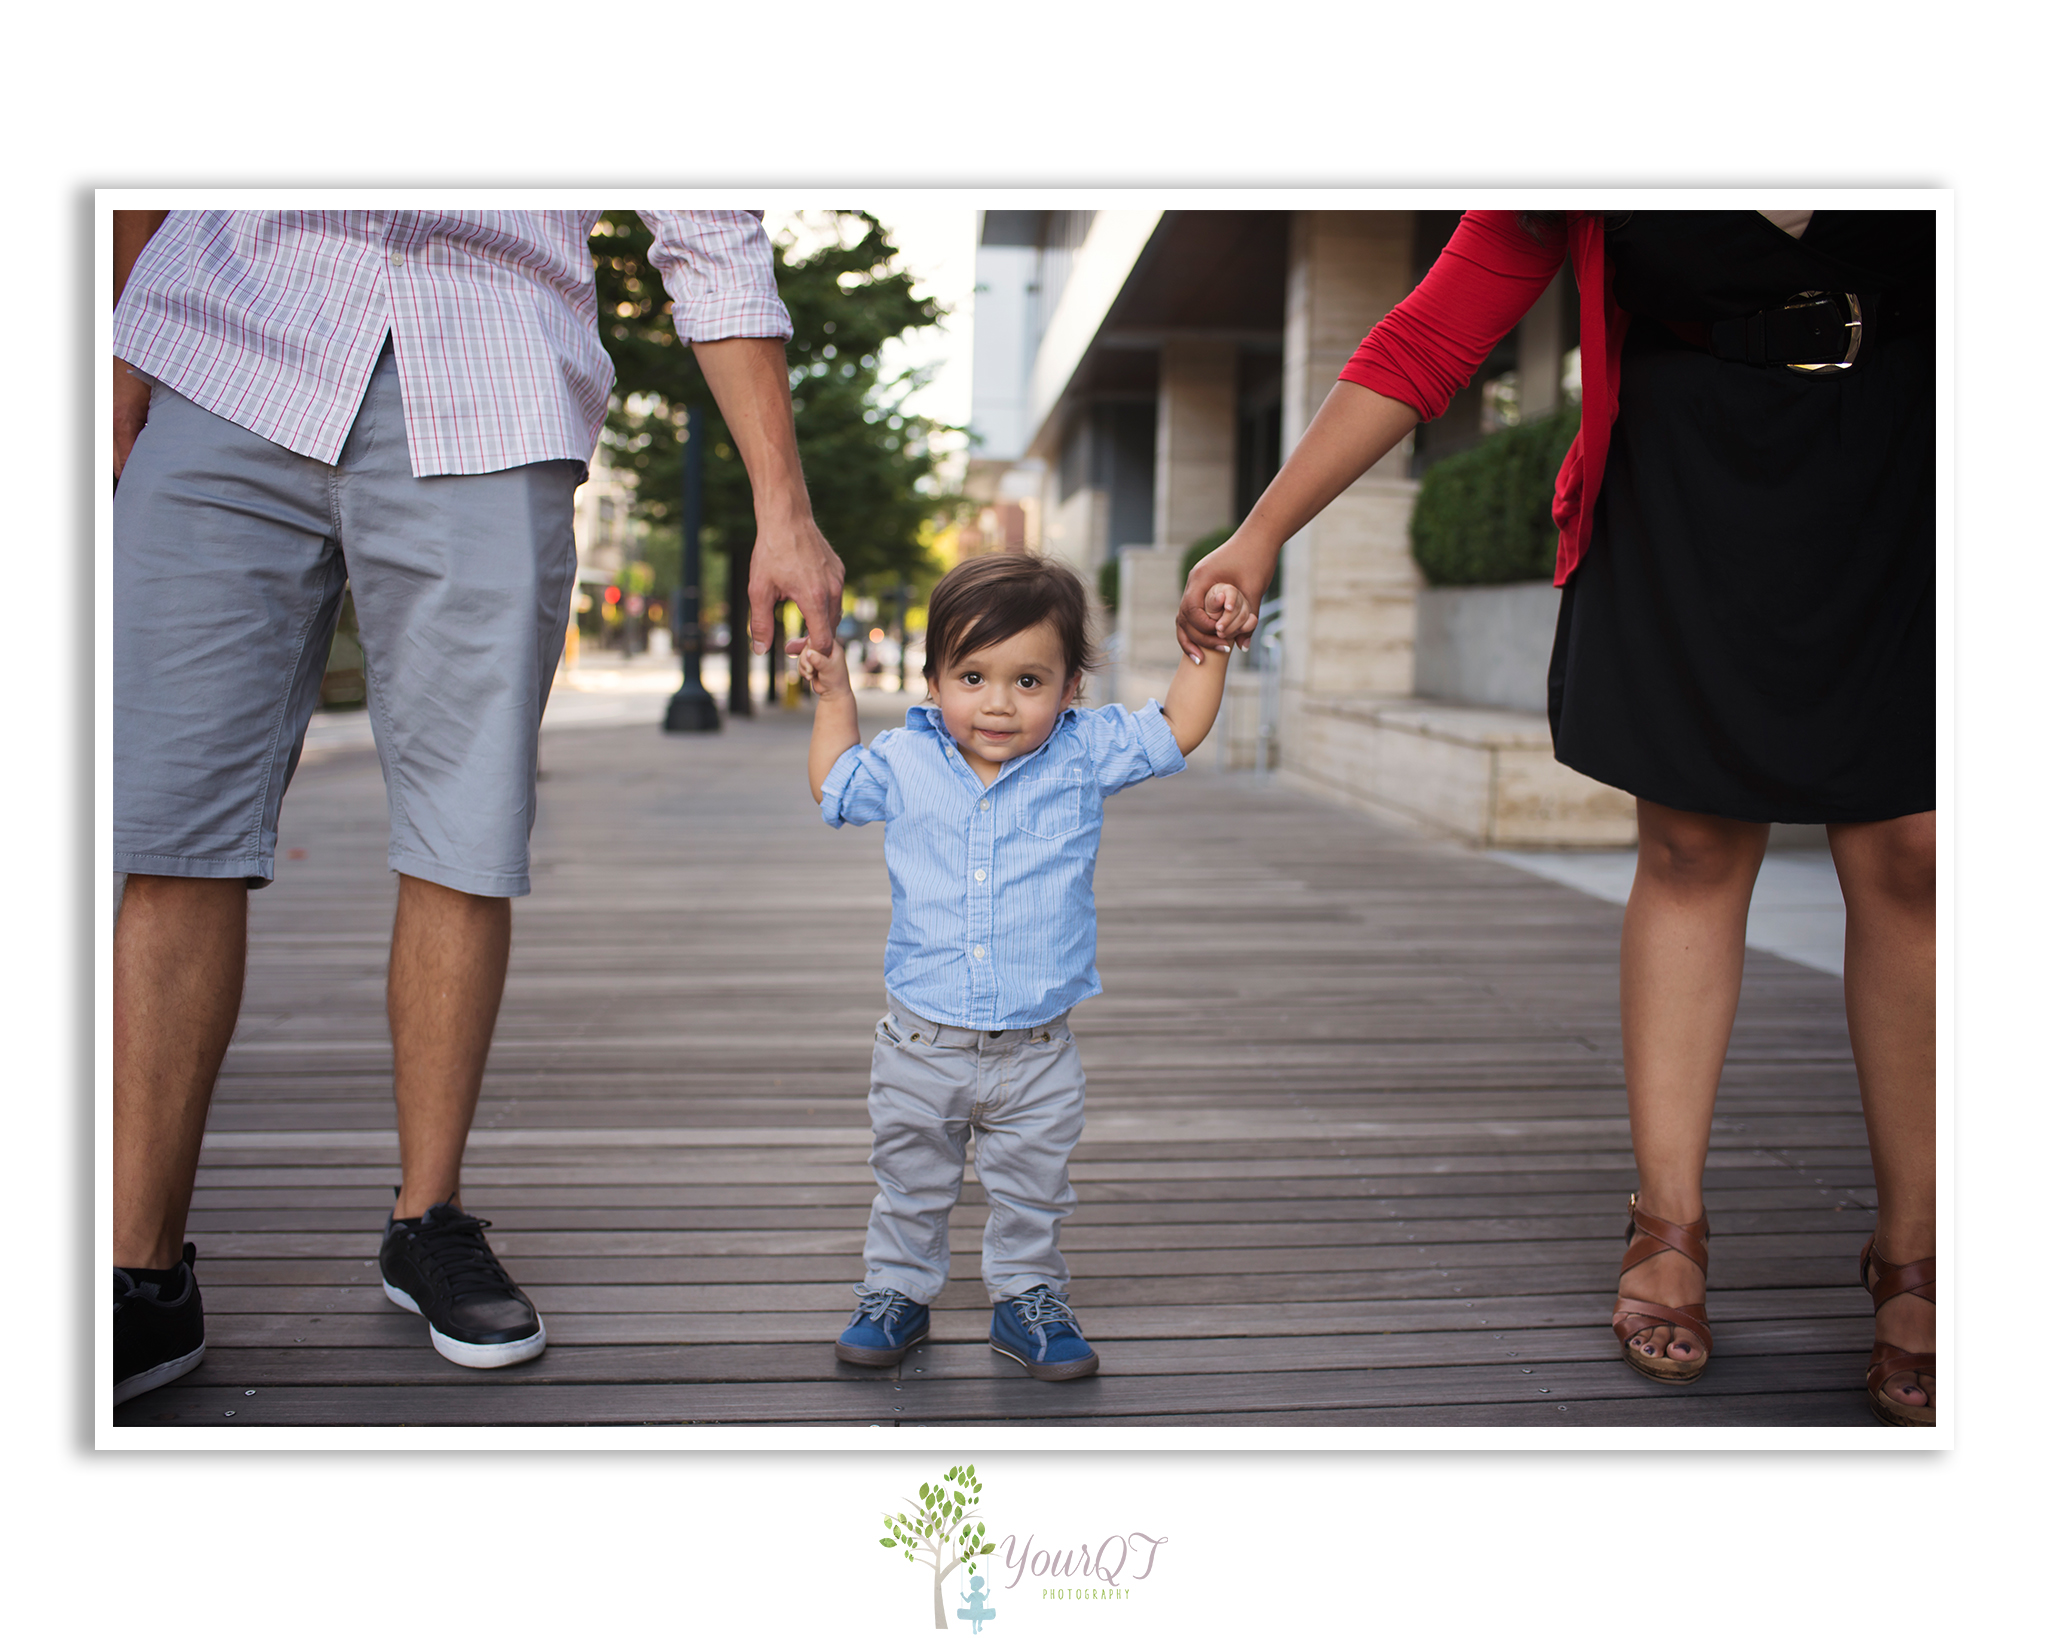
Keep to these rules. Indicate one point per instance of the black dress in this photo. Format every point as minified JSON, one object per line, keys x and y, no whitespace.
{"x":1751,"y":631}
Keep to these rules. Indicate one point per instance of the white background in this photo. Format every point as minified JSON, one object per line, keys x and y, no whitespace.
{"x":1089,"y":95}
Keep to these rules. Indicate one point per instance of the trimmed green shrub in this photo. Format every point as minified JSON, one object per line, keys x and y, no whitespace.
{"x":1483,"y":515}
{"x":1109,"y":582}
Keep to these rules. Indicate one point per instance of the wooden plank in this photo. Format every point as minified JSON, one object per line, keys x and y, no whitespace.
{"x":861,"y":1397}
{"x":1362,"y":1165}
{"x":394,"y":1357}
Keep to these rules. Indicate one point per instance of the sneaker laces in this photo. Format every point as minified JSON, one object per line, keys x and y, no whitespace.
{"x":880,"y":1304}
{"x":1038,"y":1309}
{"x":457,"y":1258}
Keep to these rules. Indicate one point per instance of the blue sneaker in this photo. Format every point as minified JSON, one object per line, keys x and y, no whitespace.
{"x":1038,"y":1330}
{"x":886,"y":1325}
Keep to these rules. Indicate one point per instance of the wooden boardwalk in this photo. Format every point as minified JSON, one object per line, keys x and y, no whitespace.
{"x":1356,"y":1151}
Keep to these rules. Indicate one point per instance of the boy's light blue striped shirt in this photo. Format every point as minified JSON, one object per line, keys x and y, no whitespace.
{"x":992,"y":890}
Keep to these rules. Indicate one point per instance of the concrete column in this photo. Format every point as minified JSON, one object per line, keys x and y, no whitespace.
{"x":1148,"y":595}
{"x":1351,"y":582}
{"x":1195,"y":465}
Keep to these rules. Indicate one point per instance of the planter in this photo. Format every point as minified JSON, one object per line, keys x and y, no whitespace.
{"x":1486,"y":645}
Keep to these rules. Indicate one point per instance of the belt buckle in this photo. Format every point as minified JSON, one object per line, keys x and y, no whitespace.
{"x":1852,"y":322}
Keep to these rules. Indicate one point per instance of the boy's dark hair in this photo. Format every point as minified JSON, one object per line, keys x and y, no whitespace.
{"x":991,"y":598}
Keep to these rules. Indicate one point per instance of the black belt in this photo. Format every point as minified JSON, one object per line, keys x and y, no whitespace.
{"x":1816,"y":331}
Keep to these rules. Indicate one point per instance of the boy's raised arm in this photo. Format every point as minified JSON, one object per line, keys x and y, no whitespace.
{"x":835,"y":725}
{"x":1197,"y":689}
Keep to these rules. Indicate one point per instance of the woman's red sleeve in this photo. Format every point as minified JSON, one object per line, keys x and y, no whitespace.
{"x":1488,"y":276}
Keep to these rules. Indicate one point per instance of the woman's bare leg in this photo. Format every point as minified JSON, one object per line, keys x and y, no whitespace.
{"x":1681,"y":974}
{"x":1887,"y":875}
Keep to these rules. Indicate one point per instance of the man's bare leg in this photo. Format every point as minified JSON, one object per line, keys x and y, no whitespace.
{"x":448,"y":956}
{"x":180,"y":950}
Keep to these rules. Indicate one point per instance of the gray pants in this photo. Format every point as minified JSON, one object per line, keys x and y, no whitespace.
{"x":1021,"y":1093}
{"x":230,"y":554}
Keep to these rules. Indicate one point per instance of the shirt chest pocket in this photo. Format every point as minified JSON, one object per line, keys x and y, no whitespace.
{"x":1049,"y":804}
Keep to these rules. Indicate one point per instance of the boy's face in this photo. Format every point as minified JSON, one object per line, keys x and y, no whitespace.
{"x":1003,"y":701}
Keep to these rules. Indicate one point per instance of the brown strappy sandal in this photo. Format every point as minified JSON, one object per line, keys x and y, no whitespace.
{"x":1647,"y":1237}
{"x":1888,"y":1359}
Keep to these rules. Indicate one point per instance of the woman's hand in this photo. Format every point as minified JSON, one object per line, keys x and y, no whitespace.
{"x":1220,"y":608}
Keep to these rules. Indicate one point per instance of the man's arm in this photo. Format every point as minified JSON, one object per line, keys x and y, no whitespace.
{"x":719,"y":268}
{"x":835,"y":722}
{"x":132,"y":230}
{"x":749,"y":376}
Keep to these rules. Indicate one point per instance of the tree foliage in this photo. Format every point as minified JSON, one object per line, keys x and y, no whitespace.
{"x":941,"y":1521}
{"x":869,"y":464}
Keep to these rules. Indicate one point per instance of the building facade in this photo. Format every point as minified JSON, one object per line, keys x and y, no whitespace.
{"x":1138,"y":379}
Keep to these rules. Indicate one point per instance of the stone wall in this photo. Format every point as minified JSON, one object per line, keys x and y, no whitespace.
{"x":1486,"y":645}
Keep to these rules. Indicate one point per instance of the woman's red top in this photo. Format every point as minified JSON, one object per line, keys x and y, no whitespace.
{"x":1489,"y":275}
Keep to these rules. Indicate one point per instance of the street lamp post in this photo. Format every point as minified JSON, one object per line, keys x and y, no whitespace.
{"x":902,"y":636}
{"x":691,"y":709}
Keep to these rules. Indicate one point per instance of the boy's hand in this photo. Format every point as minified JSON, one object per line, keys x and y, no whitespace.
{"x":1233,"y":615}
{"x":825,"y":672}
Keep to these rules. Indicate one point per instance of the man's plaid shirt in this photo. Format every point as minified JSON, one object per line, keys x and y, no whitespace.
{"x":274,"y":320}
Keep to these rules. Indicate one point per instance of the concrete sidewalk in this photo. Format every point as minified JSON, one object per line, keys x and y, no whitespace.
{"x":605,"y":690}
{"x":1796,"y":911}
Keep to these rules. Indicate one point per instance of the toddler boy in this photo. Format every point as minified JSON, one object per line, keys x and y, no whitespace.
{"x":992,"y":797}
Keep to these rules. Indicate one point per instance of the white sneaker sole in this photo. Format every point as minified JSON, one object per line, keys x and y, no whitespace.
{"x":157,"y":1375}
{"x":478,"y":1356}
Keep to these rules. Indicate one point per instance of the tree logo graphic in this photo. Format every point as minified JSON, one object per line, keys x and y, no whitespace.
{"x":942,"y":1528}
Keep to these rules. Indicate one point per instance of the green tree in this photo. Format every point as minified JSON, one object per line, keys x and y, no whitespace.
{"x":942,"y":1521}
{"x":869,"y":464}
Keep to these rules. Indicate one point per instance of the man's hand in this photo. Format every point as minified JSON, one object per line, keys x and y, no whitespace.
{"x":131,"y":410}
{"x":749,"y":376}
{"x":793,"y":561}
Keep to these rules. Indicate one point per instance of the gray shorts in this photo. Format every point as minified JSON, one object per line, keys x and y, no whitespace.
{"x":230,"y":557}
{"x":1022,"y":1096}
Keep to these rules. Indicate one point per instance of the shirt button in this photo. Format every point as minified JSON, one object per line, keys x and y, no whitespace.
{"x":398,"y":258}
{"x":984,"y":804}
{"x":978,"y":952}
{"x":981,"y":875}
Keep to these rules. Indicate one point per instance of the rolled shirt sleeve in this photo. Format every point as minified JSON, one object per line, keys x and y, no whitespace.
{"x":856,"y":791}
{"x":719,"y":268}
{"x":1129,"y":746}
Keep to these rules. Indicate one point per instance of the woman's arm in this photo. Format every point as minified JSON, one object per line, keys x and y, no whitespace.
{"x":1404,"y":372}
{"x":1351,"y":432}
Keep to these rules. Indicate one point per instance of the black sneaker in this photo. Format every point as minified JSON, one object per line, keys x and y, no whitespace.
{"x":159,"y":1327}
{"x":440,"y":1267}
